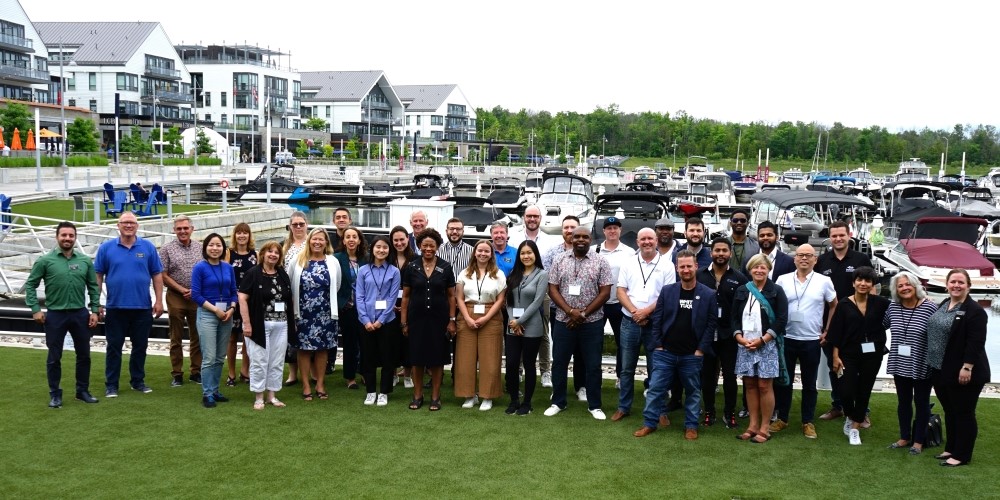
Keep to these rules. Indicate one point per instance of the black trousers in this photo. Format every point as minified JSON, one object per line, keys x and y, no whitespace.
{"x":379,"y":350}
{"x":350,"y":341}
{"x":57,"y":323}
{"x":960,"y":425}
{"x":912,"y":393}
{"x":613,"y":314}
{"x":520,"y":350}
{"x":835,"y":401}
{"x":724,"y":358}
{"x":860,"y":371}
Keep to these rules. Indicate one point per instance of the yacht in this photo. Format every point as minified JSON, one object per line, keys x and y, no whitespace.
{"x":565,"y":194}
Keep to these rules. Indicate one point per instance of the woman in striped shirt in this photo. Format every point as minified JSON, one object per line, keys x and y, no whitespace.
{"x":907,"y":318}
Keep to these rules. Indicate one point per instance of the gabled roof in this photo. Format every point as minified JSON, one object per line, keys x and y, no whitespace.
{"x":424,"y":97}
{"x":97,"y":43}
{"x":348,"y":86}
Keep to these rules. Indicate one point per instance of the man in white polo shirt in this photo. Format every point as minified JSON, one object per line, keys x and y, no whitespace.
{"x":616,"y":254}
{"x":639,"y":283}
{"x":808,"y":292}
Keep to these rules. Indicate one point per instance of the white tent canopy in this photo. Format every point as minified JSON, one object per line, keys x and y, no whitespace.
{"x":222,"y":148}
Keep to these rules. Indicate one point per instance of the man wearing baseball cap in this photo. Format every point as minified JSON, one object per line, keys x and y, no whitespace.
{"x":615,"y":252}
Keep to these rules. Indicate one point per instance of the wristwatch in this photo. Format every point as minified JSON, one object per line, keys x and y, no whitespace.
{"x":452,"y":318}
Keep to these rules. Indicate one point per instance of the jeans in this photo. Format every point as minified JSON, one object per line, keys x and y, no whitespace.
{"x":806,"y":352}
{"x":909,"y":393}
{"x":588,"y":339}
{"x":613,"y":315}
{"x":633,"y":337}
{"x":668,"y":367}
{"x":214,"y":335}
{"x":579,"y":373}
{"x":134,"y":324}
{"x":57,"y":323}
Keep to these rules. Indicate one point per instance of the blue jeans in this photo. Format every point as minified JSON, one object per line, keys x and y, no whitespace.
{"x":668,"y":367}
{"x":134,"y":324}
{"x":633,"y":337}
{"x":588,"y":338}
{"x":214,"y":335}
{"x":806,"y":352}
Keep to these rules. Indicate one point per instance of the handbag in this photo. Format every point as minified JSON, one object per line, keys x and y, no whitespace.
{"x":782,"y":380}
{"x":934,"y":435}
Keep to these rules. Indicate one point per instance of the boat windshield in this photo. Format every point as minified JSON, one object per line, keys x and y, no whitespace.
{"x":569,"y":186}
{"x":606,"y":173}
{"x":716,"y":183}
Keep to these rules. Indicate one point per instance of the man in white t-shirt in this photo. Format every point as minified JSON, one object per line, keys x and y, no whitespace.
{"x":616,"y":253}
{"x":808,"y":292}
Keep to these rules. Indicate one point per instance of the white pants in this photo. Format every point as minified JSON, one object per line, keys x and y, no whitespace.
{"x":267,"y":364}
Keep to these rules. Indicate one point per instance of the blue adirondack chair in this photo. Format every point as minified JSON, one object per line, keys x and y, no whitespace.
{"x":151,"y":208}
{"x":109,"y":196}
{"x":139,"y":196}
{"x":119,"y":201}
{"x":5,"y":217}
{"x":157,"y":195}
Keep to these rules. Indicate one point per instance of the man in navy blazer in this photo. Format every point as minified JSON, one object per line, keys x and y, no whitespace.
{"x":683,"y":326}
{"x":767,"y":238}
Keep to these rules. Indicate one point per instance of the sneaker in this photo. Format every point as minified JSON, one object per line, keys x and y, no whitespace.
{"x":731,"y":421}
{"x":547,"y":379}
{"x":178,"y":381}
{"x":208,"y":401}
{"x":408,"y":382}
{"x":382,"y":400}
{"x":552,"y":411}
{"x":709,"y":419}
{"x":370,"y":398}
{"x":487,"y":405}
{"x":847,"y":426}
{"x":834,"y":413}
{"x":395,"y":380}
{"x":778,"y":426}
{"x":524,"y":410}
{"x":195,"y":377}
{"x":143,"y":388}
{"x":744,"y":413}
{"x":598,"y":414}
{"x":774,"y":416}
{"x":809,"y":430}
{"x":582,"y":394}
{"x":218,"y":397}
{"x":111,"y":393}
{"x":512,"y":407}
{"x":469,"y":403}
{"x":854,"y":437}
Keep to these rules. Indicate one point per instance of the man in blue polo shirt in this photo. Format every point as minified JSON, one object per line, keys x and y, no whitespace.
{"x":505,"y":253}
{"x":128,"y":264}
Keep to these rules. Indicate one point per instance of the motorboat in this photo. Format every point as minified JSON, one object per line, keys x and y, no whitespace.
{"x":991,"y":180}
{"x":912,"y":170}
{"x":478,"y":214}
{"x":864,"y":181}
{"x":833,"y":184}
{"x":607,"y":179}
{"x":635,"y":210}
{"x":507,"y":193}
{"x":284,"y":186}
{"x":697,"y":200}
{"x":804,"y":216}
{"x":565,"y":194}
{"x":720,"y":186}
{"x":794,"y":178}
{"x":428,"y":186}
{"x":533,"y":186}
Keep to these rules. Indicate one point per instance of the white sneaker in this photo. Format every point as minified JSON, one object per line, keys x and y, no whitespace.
{"x":854,"y":437}
{"x":370,"y":398}
{"x":847,"y":426}
{"x":618,"y":383}
{"x":395,"y":380}
{"x":547,"y":379}
{"x":408,"y":382}
{"x":552,"y":411}
{"x":487,"y":405}
{"x":598,"y":414}
{"x":383,"y":399}
{"x":469,"y":403}
{"x":582,"y":394}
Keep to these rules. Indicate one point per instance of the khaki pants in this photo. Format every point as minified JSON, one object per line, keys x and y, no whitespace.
{"x":485,"y":347}
{"x":179,"y":311}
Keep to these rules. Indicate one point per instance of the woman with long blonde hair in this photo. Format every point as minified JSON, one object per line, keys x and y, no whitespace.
{"x":315,"y":279}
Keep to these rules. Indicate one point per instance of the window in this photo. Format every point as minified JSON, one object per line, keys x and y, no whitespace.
{"x":437,"y":120}
{"x":208,"y":99}
{"x":225,"y":117}
{"x":208,"y":118}
{"x":71,"y":102}
{"x":126,"y":81}
{"x":71,"y":82}
{"x":328,"y":111}
{"x":224,"y":104}
{"x":418,"y":120}
{"x":93,"y":81}
{"x":407,"y":122}
{"x":93,"y":104}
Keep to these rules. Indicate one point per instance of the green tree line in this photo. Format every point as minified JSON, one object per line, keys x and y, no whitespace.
{"x":660,"y":135}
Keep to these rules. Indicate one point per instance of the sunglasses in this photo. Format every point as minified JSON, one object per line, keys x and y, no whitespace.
{"x":738,"y":221}
{"x":298,"y":224}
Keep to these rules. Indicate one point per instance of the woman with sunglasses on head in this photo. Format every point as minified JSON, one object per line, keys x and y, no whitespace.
{"x":352,"y":254}
{"x":376,"y":289}
{"x":294,"y":243}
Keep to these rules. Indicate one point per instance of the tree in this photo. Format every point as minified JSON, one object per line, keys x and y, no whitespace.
{"x":134,"y":143}
{"x":203,"y":145}
{"x":505,"y":154}
{"x":352,"y":149}
{"x":302,"y":151}
{"x":82,"y":136}
{"x":394,"y":150}
{"x":172,"y":137}
{"x":426,"y":152}
{"x":327,"y":151}
{"x":15,"y":116}
{"x":315,"y":123}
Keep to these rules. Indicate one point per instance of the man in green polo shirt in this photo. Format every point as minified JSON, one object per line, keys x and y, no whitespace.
{"x":70,"y":281}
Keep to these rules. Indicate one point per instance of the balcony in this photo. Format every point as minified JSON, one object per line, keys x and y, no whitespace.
{"x":16,"y":43}
{"x":165,"y":73}
{"x":168,"y":96}
{"x":382,"y":119}
{"x":17,"y":73}
{"x":460,"y":114}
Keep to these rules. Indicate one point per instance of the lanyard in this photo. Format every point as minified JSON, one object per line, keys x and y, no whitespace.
{"x":798,"y":298}
{"x":479,"y":286}
{"x":218,"y":276}
{"x":906,"y":327}
{"x":385,"y":271}
{"x":651,"y":271}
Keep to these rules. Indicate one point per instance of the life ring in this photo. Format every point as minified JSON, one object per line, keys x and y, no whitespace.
{"x":224,"y":184}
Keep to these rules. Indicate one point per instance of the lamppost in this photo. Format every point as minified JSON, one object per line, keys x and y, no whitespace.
{"x":62,"y":106}
{"x":368,"y":143}
{"x":944,"y":161}
{"x":415,"y":134}
{"x":674,"y":145}
{"x":604,"y":140}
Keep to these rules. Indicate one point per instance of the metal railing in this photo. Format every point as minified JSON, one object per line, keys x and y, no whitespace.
{"x":11,"y":71}
{"x":17,"y":41}
{"x":163,"y":72}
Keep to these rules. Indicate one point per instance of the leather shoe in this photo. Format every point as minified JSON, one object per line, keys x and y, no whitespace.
{"x":942,"y":456}
{"x":832,"y":414}
{"x":618,"y":415}
{"x":664,"y":421}
{"x":85,"y":397}
{"x":55,"y":402}
{"x":691,"y":434}
{"x":643,"y":431}
{"x":946,"y":463}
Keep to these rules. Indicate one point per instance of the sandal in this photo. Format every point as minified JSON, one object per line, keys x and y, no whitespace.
{"x":435,"y":405}
{"x":307,"y":396}
{"x":762,"y":439}
{"x":230,"y":382}
{"x":322,"y":395}
{"x":352,"y":385}
{"x":289,"y":383}
{"x":746,"y":436}
{"x":258,"y":405}
{"x":276,"y":403}
{"x":416,"y":403}
{"x":244,"y":378}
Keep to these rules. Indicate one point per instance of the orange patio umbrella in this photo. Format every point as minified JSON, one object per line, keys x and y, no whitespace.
{"x":30,"y":143}
{"x":2,"y":145}
{"x":15,"y":141}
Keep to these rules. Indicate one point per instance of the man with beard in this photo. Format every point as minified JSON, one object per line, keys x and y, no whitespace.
{"x":694,"y":233}
{"x":767,"y":238}
{"x":743,"y":244}
{"x":532,"y":231}
{"x":722,"y":278}
{"x":665,"y":243}
{"x":579,"y":285}
{"x":615,"y":252}
{"x":569,"y":224}
{"x":454,"y":250}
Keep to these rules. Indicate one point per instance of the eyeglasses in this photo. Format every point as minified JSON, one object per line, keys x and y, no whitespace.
{"x":738,"y":221}
{"x":804,"y":255}
{"x":128,"y":223}
{"x":298,"y":224}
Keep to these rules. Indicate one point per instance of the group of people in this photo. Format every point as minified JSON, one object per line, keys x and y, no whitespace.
{"x":417,"y":300}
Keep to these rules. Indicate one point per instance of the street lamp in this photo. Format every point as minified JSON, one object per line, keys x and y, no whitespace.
{"x":415,"y":134}
{"x":604,"y":141}
{"x":62,"y":106}
{"x":944,"y":161}
{"x":674,"y":145}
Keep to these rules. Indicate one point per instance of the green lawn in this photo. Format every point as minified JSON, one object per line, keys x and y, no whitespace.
{"x":164,"y":444}
{"x":63,"y":209}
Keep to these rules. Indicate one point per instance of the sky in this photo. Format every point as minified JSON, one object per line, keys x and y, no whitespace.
{"x":900,"y":65}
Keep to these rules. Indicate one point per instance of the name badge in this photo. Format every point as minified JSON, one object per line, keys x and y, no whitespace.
{"x":904,"y":350}
{"x":479,"y":309}
{"x":380,"y":305}
{"x":279,"y":307}
{"x":400,"y":294}
{"x":868,"y":347}
{"x":639,"y":295}
{"x":720,"y":312}
{"x":222,"y":305}
{"x":518,"y":312}
{"x":795,"y":316}
{"x":574,"y":290}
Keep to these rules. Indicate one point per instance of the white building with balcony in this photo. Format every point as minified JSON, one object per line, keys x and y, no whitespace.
{"x":124,"y":69}
{"x":24,"y":65}
{"x":440,"y":115}
{"x":358,"y":104}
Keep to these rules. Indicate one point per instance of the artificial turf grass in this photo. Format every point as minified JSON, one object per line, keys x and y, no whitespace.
{"x":164,"y":444}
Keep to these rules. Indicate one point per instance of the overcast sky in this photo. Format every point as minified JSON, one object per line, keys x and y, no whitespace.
{"x":901,"y":65}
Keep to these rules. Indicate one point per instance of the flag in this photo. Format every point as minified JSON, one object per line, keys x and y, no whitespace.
{"x":253,"y":90}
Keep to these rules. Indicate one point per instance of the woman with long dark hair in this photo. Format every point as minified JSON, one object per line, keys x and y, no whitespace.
{"x":375,"y":290}
{"x":527,"y":286}
{"x":400,"y":254}
{"x":352,"y":254}
{"x":242,"y":256}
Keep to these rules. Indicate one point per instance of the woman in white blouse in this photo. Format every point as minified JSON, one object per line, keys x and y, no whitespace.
{"x":480,"y":293}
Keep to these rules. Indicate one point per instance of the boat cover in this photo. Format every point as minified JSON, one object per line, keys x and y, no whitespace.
{"x":947,"y":254}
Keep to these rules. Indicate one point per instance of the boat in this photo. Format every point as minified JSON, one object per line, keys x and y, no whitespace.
{"x":804,"y":216}
{"x":607,"y":179}
{"x":565,"y":194}
{"x":533,"y":186}
{"x":991,"y":180}
{"x":635,"y":210}
{"x":697,"y":200}
{"x":428,"y":186}
{"x":284,"y":186}
{"x":864,"y":181}
{"x":507,"y":193}
{"x":794,"y":178}
{"x":912,"y":170}
{"x":720,"y":186}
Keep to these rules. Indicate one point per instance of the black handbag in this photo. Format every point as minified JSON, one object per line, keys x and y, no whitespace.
{"x":935,"y":437}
